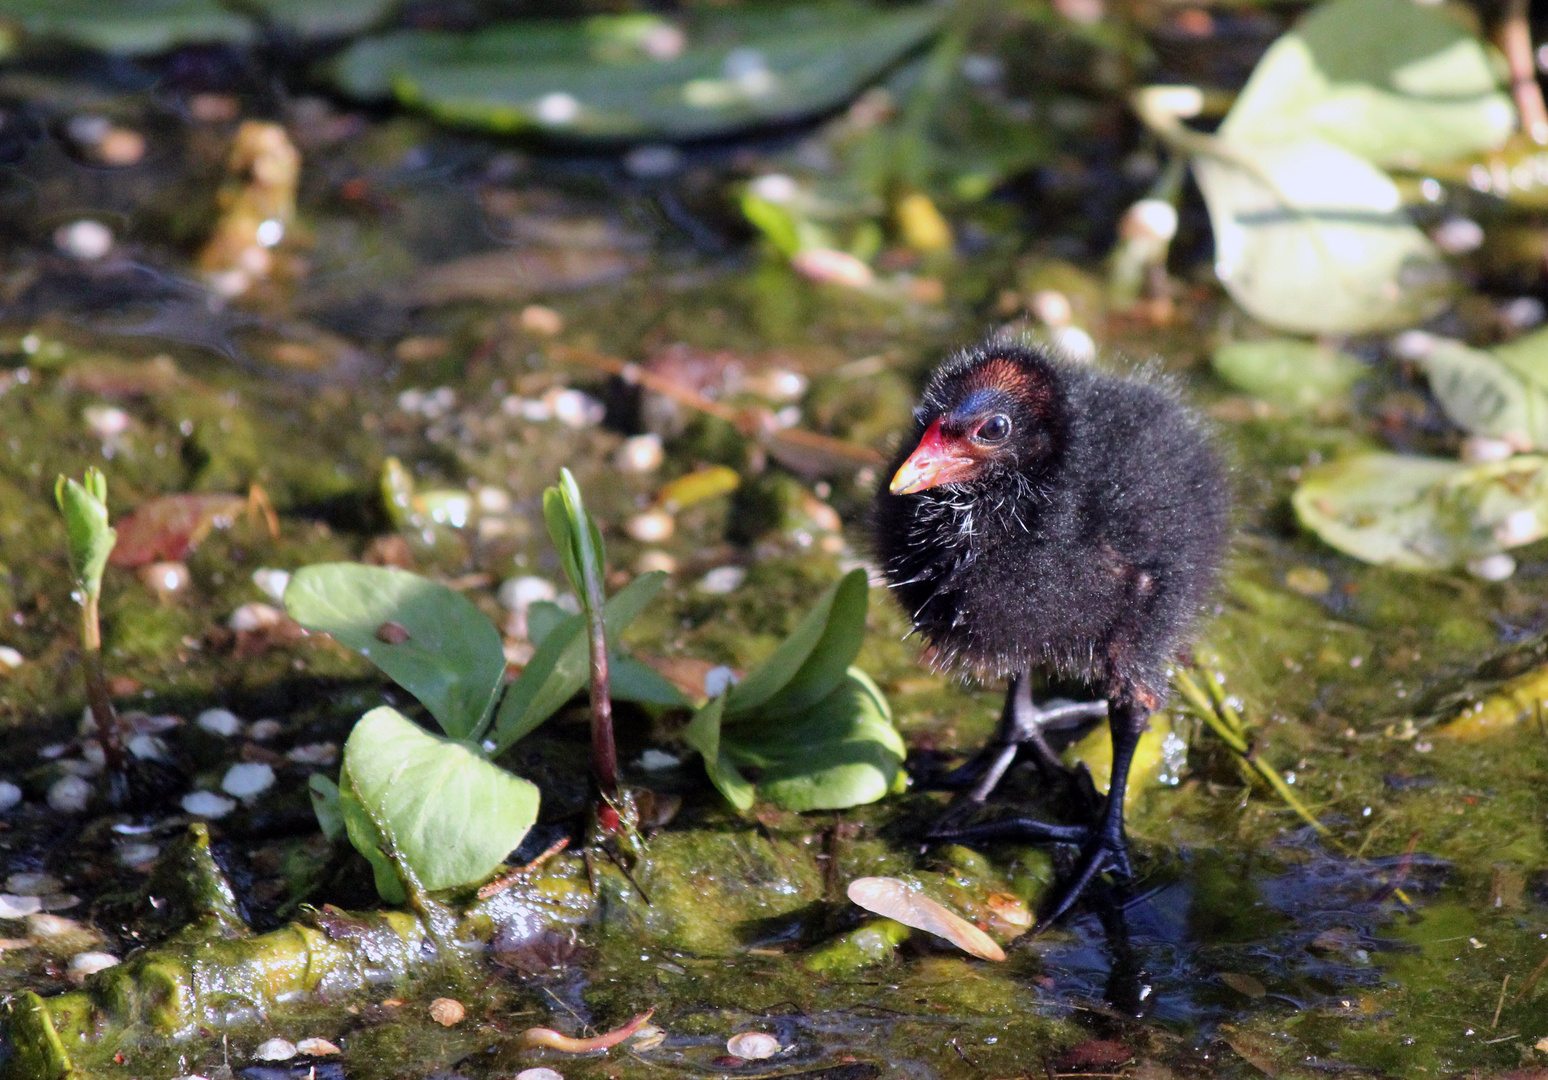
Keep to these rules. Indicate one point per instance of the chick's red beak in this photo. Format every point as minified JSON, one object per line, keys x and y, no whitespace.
{"x":935,"y":461}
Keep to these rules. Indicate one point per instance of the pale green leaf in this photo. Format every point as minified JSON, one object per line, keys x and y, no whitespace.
{"x":787,"y":661}
{"x":90,"y":540}
{"x":448,"y":813}
{"x":427,"y":638}
{"x":1295,"y":375}
{"x":704,"y":735}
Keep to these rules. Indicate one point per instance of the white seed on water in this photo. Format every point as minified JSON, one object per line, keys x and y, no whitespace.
{"x":640,"y":454}
{"x":1520,"y":527}
{"x":1075,"y":343}
{"x":651,"y":527}
{"x":272,"y":582}
{"x":1052,"y":308}
{"x":653,"y":161}
{"x":10,"y":658}
{"x":1492,"y":567}
{"x":1523,"y":313}
{"x":557,"y":108}
{"x":220,"y":721}
{"x":147,"y":748}
{"x":253,"y":617}
{"x":753,"y":1045}
{"x":492,"y":500}
{"x":722,"y":579}
{"x":1414,"y":345}
{"x":69,"y":795}
{"x":166,"y":578}
{"x":207,"y":804}
{"x":10,"y":795}
{"x":655,"y":560}
{"x":88,"y":963}
{"x":19,"y":907}
{"x":315,"y":1047}
{"x":263,"y":730}
{"x":106,"y":421}
{"x":1153,"y":220}
{"x":831,"y":267}
{"x":317,"y":753}
{"x":31,"y":882}
{"x":573,"y":408}
{"x":539,"y":1073}
{"x":541,"y":320}
{"x":275,"y":1049}
{"x":1458,"y":236}
{"x":658,"y":761}
{"x":776,"y":188}
{"x":86,"y":239}
{"x":248,"y":779}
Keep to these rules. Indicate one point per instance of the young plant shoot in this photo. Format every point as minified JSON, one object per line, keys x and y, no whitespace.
{"x":90,"y":541}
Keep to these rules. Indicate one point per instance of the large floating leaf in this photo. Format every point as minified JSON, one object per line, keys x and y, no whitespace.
{"x":1425,"y":513}
{"x":740,"y":69}
{"x":1485,"y":396}
{"x":428,"y":639}
{"x":1313,"y":239}
{"x":1295,"y":375}
{"x":1394,"y":81}
{"x":141,"y":27}
{"x":447,"y":813}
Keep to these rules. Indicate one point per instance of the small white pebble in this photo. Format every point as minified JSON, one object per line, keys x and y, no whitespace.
{"x":1458,"y":236}
{"x":106,"y":421}
{"x":717,"y":680}
{"x":275,"y":1050}
{"x":86,"y":239}
{"x":1478,"y":449}
{"x":192,"y":1076}
{"x":207,"y":804}
{"x":492,"y":500}
{"x":539,"y":1073}
{"x":640,"y":454}
{"x":1519,"y":527}
{"x":32,"y":883}
{"x":10,"y":795}
{"x":317,"y":753}
{"x":574,"y":409}
{"x":722,"y":579}
{"x":655,"y":560}
{"x":248,"y":779}
{"x":147,"y":748}
{"x":252,"y":617}
{"x":653,"y":161}
{"x":753,"y":1045}
{"x":1523,"y":313}
{"x":263,"y":730}
{"x":1052,"y":308}
{"x":166,"y":577}
{"x":69,"y":795}
{"x":19,"y":907}
{"x":1414,"y":345}
{"x":1075,"y":343}
{"x":137,"y":854}
{"x":831,"y":267}
{"x":541,"y":320}
{"x":776,"y":188}
{"x":88,"y":963}
{"x":658,"y":760}
{"x":315,"y":1047}
{"x":220,"y":721}
{"x":520,"y":593}
{"x":271,"y":582}
{"x":1153,"y":220}
{"x":1492,"y":567}
{"x":10,"y":658}
{"x":53,"y":751}
{"x":269,"y":232}
{"x":651,"y":527}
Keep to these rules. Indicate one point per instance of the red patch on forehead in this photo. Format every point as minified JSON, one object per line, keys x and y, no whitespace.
{"x":1002,"y":373}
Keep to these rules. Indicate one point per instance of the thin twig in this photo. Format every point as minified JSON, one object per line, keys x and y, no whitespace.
{"x":1494,"y":1024}
{"x":1526,"y":987}
{"x":511,"y":877}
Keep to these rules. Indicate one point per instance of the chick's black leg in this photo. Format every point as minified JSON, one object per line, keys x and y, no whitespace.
{"x":1107,"y":848}
{"x":1021,"y":729}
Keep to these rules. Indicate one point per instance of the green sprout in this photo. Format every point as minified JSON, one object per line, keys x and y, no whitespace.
{"x":90,"y":541}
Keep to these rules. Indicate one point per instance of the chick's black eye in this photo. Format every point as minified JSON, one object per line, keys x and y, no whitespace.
{"x":995,"y":429}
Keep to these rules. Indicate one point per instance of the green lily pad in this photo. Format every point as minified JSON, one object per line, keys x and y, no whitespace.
{"x":739,"y":69}
{"x":446,"y":812}
{"x":427,"y":638}
{"x":1393,"y":81}
{"x":1298,"y":376}
{"x":130,"y":27}
{"x":1313,"y":239}
{"x":1425,"y":513}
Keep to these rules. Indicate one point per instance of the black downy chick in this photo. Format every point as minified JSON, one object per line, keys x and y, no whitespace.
{"x":1050,"y":516}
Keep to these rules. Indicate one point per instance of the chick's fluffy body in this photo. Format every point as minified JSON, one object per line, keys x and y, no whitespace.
{"x":1085,"y":548}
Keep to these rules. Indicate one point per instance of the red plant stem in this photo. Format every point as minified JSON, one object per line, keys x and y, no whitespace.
{"x":604,"y":752}
{"x":1515,"y":38}
{"x":97,"y":695}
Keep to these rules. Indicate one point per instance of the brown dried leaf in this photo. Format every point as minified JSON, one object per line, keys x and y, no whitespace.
{"x":903,"y":902}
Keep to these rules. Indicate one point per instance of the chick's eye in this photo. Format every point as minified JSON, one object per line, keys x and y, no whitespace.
{"x":993,"y":430}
